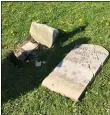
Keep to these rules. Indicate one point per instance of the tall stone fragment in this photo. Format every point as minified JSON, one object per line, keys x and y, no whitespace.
{"x":73,"y":74}
{"x":43,"y":34}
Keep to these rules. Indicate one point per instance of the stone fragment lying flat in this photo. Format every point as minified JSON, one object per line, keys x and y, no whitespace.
{"x":72,"y":75}
{"x":23,"y":52}
{"x":43,"y":34}
{"x":28,"y":47}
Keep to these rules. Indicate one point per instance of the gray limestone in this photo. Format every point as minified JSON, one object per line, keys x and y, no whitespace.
{"x":73,"y":74}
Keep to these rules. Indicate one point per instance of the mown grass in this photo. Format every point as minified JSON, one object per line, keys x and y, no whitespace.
{"x":22,"y":93}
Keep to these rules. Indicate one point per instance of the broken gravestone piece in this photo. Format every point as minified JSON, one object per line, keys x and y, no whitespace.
{"x":29,"y":47}
{"x":43,"y":34}
{"x":25,"y":50}
{"x":73,"y":74}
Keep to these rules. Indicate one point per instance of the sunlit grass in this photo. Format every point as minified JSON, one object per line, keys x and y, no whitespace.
{"x":21,"y":93}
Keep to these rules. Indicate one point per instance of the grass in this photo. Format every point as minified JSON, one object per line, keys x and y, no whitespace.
{"x":22,"y":93}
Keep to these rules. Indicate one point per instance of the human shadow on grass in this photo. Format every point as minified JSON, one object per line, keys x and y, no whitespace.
{"x":18,"y":81}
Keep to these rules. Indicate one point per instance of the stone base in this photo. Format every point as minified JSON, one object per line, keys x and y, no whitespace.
{"x":25,"y":50}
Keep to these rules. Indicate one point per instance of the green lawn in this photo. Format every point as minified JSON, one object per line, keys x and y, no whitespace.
{"x":22,"y":93}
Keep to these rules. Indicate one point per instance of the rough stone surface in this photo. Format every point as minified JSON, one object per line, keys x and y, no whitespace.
{"x":28,"y":47}
{"x":43,"y":34}
{"x":72,"y":75}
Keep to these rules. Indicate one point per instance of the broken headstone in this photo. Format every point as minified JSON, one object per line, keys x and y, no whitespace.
{"x":43,"y":34}
{"x":73,"y":74}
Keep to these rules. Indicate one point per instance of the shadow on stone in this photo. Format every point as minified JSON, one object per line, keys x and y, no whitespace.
{"x":17,"y":81}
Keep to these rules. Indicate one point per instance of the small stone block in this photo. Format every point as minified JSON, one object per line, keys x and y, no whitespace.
{"x":43,"y":34}
{"x":74,"y":73}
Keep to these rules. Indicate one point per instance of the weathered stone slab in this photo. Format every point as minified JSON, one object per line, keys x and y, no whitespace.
{"x":43,"y":34}
{"x":72,"y":75}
